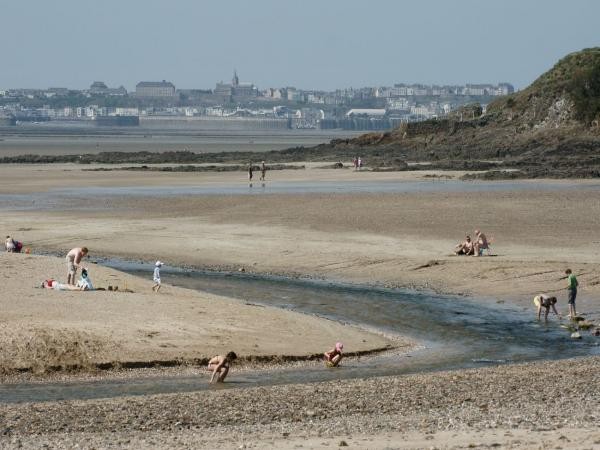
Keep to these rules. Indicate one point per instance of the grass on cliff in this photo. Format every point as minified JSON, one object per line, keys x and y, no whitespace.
{"x":576,"y":76}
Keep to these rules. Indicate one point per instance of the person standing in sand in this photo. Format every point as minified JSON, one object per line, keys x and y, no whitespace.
{"x":156,"y":276}
{"x":572,"y":285}
{"x":74,"y":258}
{"x":334,"y":356}
{"x":263,"y":171}
{"x":250,"y":173}
{"x":544,"y":301}
{"x":220,"y":364}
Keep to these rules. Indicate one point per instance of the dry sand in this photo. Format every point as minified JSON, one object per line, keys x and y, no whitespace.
{"x":390,"y":239}
{"x":42,"y":327}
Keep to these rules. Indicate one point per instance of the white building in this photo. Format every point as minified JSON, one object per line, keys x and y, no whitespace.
{"x":366,"y":112}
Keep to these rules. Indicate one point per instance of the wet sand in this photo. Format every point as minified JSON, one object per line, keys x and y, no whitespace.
{"x":389,"y":239}
{"x":542,"y":405}
{"x":395,"y":239}
{"x":52,"y":140}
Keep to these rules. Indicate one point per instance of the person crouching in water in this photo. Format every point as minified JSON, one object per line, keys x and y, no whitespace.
{"x":220,"y":364}
{"x":543,"y":301}
{"x":334,"y":356}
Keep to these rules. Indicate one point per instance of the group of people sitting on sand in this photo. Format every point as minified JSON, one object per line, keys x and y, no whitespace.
{"x":473,"y":247}
{"x":12,"y":246}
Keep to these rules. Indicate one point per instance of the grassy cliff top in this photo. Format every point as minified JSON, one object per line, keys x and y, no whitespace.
{"x":575,"y":79}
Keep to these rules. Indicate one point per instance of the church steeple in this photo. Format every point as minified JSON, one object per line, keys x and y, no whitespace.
{"x":235,"y":81}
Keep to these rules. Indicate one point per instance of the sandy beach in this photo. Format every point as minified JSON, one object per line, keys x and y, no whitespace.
{"x":402,"y":239}
{"x":536,"y":233}
{"x":42,"y":328}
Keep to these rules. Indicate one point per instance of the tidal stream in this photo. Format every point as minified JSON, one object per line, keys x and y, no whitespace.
{"x":454,"y":332}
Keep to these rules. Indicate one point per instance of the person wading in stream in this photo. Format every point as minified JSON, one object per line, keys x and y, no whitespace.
{"x":220,"y":364}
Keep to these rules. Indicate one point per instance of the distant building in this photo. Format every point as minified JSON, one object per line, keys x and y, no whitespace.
{"x":57,"y":91}
{"x":366,"y":112}
{"x":236,"y":88}
{"x":294,"y":95}
{"x":505,"y":89}
{"x":99,"y":88}
{"x":223,"y":89}
{"x":155,"y":89}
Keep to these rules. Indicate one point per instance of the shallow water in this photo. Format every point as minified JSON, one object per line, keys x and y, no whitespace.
{"x":63,"y":198}
{"x":455,"y":332}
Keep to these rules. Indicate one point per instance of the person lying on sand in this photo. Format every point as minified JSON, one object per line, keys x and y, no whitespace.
{"x":53,"y":284}
{"x":481,"y":243}
{"x":464,"y":248}
{"x":334,"y":356}
{"x":544,"y":301}
{"x":220,"y":364}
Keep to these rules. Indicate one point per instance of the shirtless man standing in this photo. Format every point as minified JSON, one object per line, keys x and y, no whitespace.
{"x":73,"y":260}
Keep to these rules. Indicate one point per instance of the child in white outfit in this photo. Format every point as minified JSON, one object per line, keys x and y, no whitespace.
{"x":157,"y":267}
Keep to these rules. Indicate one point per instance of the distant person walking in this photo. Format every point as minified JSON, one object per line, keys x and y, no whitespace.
{"x":74,"y":258}
{"x":355,"y":163}
{"x":263,"y":171}
{"x":250,"y":172}
{"x":360,"y":163}
{"x":156,"y":276}
{"x":572,"y":285}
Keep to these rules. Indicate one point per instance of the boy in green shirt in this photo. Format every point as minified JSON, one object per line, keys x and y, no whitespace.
{"x":572,"y":290}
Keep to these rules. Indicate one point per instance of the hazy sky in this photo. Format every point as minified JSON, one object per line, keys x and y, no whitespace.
{"x":311,"y":44}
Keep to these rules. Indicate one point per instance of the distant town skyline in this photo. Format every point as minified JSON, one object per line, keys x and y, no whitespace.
{"x":320,"y":45}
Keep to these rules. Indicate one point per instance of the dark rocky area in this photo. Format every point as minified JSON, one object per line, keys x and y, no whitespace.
{"x":551,"y":130}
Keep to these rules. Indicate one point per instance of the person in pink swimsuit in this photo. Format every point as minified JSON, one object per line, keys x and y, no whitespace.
{"x":334,"y":356}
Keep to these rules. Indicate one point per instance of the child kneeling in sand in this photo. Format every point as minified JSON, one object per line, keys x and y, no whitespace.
{"x":543,"y":301}
{"x":334,"y":356}
{"x":220,"y":364}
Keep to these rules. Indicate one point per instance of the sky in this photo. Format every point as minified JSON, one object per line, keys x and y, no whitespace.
{"x":308,"y":44}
